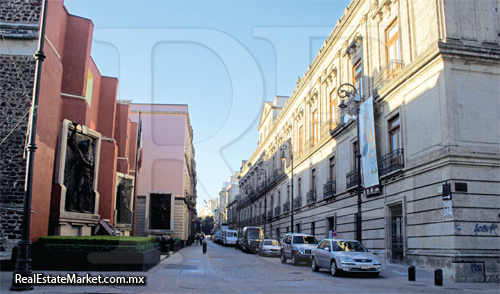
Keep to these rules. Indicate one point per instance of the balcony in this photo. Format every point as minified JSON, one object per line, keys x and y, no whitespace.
{"x":387,"y":73}
{"x":352,"y":179}
{"x":311,"y":196}
{"x":329,"y":189}
{"x":297,"y":202}
{"x":270,"y":214}
{"x":277,"y":211}
{"x":286,"y":207}
{"x":391,"y":162}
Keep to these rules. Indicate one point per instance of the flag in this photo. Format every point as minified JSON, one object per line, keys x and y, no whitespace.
{"x":205,"y":201}
{"x":139,"y":144}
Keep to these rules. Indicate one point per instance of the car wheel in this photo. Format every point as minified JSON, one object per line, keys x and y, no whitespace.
{"x":314,"y":267}
{"x":333,"y":268}
{"x":283,"y":257}
{"x":295,"y":260}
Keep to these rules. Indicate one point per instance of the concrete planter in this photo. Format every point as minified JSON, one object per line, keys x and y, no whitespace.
{"x":43,"y":259}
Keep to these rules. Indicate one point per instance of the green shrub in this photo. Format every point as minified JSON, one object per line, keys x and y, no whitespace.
{"x":96,"y":243}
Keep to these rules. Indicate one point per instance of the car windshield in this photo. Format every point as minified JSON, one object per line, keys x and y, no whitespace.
{"x":304,"y":240}
{"x":271,"y":243}
{"x":254,"y":234}
{"x":348,"y":246}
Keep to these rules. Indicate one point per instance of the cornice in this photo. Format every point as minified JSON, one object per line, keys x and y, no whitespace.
{"x":19,"y":30}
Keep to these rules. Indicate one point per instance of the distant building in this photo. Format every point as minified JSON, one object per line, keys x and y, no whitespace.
{"x":167,"y":181}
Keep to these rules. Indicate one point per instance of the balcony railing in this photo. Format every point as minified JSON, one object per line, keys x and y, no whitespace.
{"x":391,"y":162}
{"x":286,"y":207}
{"x":311,"y":196}
{"x":277,"y":211}
{"x":352,"y":179}
{"x":297,"y":202}
{"x":329,"y":189}
{"x":388,"y":72}
{"x":270,"y":214}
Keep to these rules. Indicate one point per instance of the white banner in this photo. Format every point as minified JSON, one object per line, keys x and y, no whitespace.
{"x":369,"y":166}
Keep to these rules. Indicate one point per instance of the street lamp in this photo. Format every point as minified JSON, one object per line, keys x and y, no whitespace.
{"x":23,"y":261}
{"x":283,"y":158}
{"x":262,"y":172}
{"x":348,"y":90}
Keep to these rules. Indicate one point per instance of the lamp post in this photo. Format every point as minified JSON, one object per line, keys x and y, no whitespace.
{"x":262,"y":172}
{"x":23,"y":261}
{"x":283,"y":158}
{"x":348,"y":90}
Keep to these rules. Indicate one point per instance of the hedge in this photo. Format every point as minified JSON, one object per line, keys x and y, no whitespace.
{"x":96,"y":243}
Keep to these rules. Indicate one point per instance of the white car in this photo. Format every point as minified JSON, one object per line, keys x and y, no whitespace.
{"x":269,"y":247}
{"x":344,"y":255}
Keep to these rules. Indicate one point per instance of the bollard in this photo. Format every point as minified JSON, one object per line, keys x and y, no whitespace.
{"x":204,"y":247}
{"x":438,"y":277}
{"x":411,"y":273}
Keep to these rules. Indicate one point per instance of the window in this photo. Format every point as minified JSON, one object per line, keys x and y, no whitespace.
{"x":313,"y":179}
{"x":392,"y":37}
{"x":395,"y":133}
{"x":299,"y":186}
{"x":288,"y":193}
{"x":313,"y":228}
{"x":298,"y":228}
{"x":301,"y":141}
{"x":357,"y":71}
{"x":287,"y":229}
{"x":333,"y":108}
{"x":332,"y":169}
{"x":315,"y":127}
{"x":279,"y":198}
{"x":354,"y":152}
{"x":277,"y":233}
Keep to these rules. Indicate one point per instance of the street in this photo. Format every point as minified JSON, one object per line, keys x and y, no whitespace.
{"x":226,"y":270}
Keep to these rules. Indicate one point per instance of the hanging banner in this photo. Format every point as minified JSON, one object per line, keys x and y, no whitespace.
{"x":369,"y":166}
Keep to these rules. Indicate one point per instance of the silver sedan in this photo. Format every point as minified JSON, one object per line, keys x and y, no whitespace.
{"x":269,"y":247}
{"x":344,"y":255}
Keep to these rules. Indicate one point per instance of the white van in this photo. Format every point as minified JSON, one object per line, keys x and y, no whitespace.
{"x":229,"y":237}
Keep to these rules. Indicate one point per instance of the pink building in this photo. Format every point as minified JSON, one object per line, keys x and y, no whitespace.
{"x":166,"y":190}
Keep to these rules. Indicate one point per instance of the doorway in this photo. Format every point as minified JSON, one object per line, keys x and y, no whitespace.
{"x":397,"y":236}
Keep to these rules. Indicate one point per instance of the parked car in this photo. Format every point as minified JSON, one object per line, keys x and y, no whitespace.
{"x":251,"y":238}
{"x":344,"y":255}
{"x":229,"y":237}
{"x":269,"y":247}
{"x":297,"y":247}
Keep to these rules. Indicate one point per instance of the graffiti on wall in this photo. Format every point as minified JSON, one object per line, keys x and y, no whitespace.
{"x":485,"y":229}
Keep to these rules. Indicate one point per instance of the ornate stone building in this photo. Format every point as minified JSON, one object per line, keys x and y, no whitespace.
{"x":432,"y":71}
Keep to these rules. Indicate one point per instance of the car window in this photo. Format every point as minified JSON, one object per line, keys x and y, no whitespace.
{"x":322,"y":245}
{"x":348,"y":246}
{"x":304,"y":240}
{"x":271,"y":242}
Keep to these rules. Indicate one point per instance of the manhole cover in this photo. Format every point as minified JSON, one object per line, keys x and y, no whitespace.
{"x":181,"y":267}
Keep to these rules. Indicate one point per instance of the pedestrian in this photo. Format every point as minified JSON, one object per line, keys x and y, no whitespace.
{"x":205,"y":245}
{"x":201,"y":239}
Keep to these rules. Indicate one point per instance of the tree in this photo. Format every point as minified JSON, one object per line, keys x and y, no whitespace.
{"x":207,"y":225}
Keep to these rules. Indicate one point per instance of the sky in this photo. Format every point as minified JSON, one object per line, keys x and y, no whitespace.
{"x":223,"y":59}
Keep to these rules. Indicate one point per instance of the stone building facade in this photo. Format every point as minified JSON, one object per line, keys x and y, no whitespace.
{"x":432,"y":71}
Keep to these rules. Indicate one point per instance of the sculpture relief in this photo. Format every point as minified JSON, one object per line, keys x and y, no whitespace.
{"x":79,"y":178}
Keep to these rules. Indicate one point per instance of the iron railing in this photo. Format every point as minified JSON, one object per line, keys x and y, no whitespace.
{"x":391,"y":162}
{"x":270,"y":214}
{"x":311,"y":196}
{"x":277,"y":211}
{"x":286,"y":207}
{"x":387,"y":72}
{"x":352,"y":179}
{"x":329,"y":189}
{"x":297,"y":202}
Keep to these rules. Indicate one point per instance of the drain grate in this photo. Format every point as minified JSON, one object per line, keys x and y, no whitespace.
{"x":181,"y":267}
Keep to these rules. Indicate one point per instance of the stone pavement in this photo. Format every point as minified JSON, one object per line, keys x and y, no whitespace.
{"x":191,"y":271}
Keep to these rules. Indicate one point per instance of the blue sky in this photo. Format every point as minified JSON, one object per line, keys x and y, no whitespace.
{"x":222,"y":58}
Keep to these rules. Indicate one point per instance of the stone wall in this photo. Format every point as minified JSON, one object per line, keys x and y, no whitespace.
{"x":15,"y":98}
{"x":20,"y":11}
